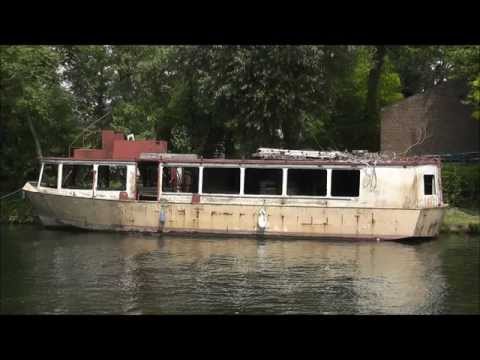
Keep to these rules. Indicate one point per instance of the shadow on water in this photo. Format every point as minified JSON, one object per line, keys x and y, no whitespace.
{"x":417,"y":240}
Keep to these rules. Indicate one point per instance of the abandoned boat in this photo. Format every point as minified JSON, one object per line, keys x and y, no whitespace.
{"x":138,"y":186}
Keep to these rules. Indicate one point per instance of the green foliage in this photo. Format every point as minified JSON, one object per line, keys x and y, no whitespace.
{"x":16,"y":210}
{"x":461,"y":184}
{"x":262,"y":92}
{"x":474,"y":97}
{"x":461,"y":220}
{"x":30,"y":90}
{"x":390,"y":85}
{"x":205,"y":98}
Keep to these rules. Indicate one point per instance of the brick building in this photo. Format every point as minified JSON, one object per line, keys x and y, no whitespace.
{"x":438,"y":120}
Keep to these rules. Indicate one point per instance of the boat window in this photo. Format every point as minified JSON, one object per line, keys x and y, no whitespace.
{"x":345,"y":183}
{"x":147,"y":180}
{"x":263,"y":181}
{"x":77,"y":177}
{"x":49,"y":176}
{"x":429,"y":184}
{"x":309,"y":182}
{"x":180,"y":179}
{"x":112,"y":177}
{"x":221,"y":180}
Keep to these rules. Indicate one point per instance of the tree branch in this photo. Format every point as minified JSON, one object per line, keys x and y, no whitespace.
{"x":35,"y":138}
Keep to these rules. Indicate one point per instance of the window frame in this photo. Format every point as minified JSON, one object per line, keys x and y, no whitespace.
{"x":42,"y":172}
{"x":327,"y":181}
{"x":97,"y":177}
{"x":344,"y":197}
{"x":433,"y":185}
{"x":226,"y":166}
{"x":264,"y":168}
{"x":94,"y":177}
{"x":162,"y":168}
{"x":243,"y":167}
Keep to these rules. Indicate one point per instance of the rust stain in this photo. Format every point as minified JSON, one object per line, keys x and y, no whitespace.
{"x":308,"y":223}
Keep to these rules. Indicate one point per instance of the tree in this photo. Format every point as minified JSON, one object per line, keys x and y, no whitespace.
{"x":87,"y":73}
{"x":35,"y":111}
{"x":261,"y":93}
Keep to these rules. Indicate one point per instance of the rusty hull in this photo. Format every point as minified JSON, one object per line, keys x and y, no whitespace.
{"x":235,"y":218}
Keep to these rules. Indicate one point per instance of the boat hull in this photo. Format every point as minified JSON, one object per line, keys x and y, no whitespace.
{"x":235,"y":219}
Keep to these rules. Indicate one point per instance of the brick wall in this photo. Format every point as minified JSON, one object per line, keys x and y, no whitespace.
{"x":440,"y":111}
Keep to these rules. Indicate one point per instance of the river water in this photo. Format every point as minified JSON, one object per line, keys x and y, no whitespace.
{"x":64,"y":272}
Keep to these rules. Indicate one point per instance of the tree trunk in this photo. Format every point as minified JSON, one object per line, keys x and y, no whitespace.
{"x":35,"y":138}
{"x":371,"y":110}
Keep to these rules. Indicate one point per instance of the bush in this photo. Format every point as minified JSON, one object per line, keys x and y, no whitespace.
{"x":16,"y":211}
{"x":461,"y":184}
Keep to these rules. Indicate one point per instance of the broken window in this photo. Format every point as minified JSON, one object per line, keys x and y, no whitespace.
{"x":429,"y":184}
{"x":221,"y":180}
{"x":49,"y":176}
{"x":263,"y":181}
{"x":112,"y":177}
{"x":345,"y":183}
{"x":77,"y":177}
{"x":180,"y":179}
{"x":308,"y":182}
{"x":147,"y":180}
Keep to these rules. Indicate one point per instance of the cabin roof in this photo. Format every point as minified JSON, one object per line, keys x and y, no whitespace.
{"x":411,"y":161}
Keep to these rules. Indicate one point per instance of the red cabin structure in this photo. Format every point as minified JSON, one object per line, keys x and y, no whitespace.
{"x":116,"y":147}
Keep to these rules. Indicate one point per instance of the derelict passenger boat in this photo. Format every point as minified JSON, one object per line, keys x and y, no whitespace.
{"x":138,"y":186}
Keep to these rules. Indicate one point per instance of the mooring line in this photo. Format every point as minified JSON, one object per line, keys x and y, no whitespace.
{"x":14,"y":192}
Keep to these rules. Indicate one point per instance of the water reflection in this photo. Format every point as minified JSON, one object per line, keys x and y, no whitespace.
{"x":64,"y":272}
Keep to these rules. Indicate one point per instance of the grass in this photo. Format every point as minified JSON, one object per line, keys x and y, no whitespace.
{"x":461,"y":220}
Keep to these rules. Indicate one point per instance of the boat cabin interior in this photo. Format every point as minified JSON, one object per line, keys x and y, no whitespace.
{"x":233,"y":179}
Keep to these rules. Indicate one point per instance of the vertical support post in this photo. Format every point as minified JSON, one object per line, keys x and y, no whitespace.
{"x":40,"y":176}
{"x":329,"y":182}
{"x":95,"y":179}
{"x":160,"y":181}
{"x":284,"y":181}
{"x":200,"y":180}
{"x":439,"y":182}
{"x":59,"y":177}
{"x":242,"y":181}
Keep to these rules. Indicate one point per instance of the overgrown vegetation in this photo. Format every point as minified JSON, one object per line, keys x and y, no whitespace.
{"x":206,"y":99}
{"x":461,"y":184}
{"x":16,"y":210}
{"x":461,"y":220}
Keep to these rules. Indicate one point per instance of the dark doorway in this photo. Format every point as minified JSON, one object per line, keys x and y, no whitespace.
{"x":147,"y":180}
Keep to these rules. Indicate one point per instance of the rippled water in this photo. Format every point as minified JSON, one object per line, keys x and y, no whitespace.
{"x":57,"y":272}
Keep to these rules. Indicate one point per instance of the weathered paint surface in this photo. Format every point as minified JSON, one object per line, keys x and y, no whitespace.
{"x":235,"y":218}
{"x":391,"y":205}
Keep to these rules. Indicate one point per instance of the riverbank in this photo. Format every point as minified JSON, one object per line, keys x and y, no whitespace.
{"x":16,"y":211}
{"x":461,"y":220}
{"x":457,"y":220}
